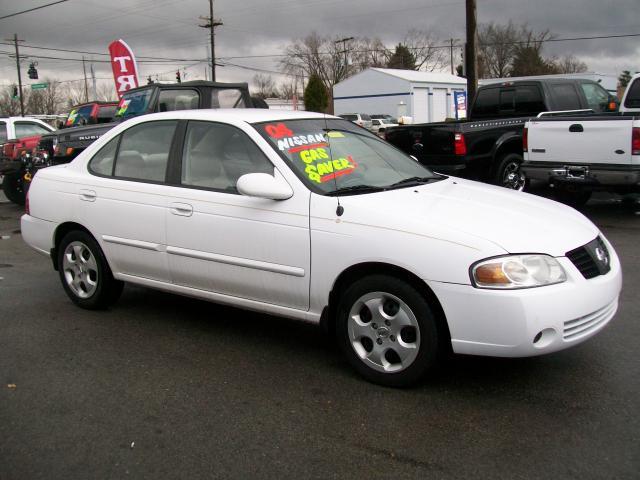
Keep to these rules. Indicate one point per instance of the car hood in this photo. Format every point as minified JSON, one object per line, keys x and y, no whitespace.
{"x":517,"y":222}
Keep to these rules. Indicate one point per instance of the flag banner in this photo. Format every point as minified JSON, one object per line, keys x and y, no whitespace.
{"x":123,"y":64}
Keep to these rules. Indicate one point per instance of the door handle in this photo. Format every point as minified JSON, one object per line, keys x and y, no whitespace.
{"x":576,"y":127}
{"x":183,"y":209}
{"x":87,"y":195}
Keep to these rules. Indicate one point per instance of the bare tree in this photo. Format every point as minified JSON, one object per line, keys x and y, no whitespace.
{"x":369,"y":52}
{"x":496,"y":49}
{"x":570,"y":64}
{"x":265,"y":86}
{"x":424,"y":48}
{"x":321,"y":56}
{"x":9,"y":106}
{"x":288,"y":89}
{"x":106,"y":92}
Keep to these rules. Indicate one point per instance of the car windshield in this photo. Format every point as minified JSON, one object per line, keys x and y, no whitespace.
{"x":336,"y":156}
{"x":133,"y":104}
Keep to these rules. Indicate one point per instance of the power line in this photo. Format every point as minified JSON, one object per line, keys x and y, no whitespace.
{"x":99,"y":53}
{"x":32,"y":9}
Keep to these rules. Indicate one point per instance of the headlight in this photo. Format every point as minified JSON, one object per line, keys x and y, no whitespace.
{"x":517,"y":271}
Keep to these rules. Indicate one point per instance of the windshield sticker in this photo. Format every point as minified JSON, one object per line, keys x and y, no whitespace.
{"x":320,"y":168}
{"x":73,"y":114}
{"x":335,"y":135}
{"x":122,"y":107}
{"x":279,"y":130}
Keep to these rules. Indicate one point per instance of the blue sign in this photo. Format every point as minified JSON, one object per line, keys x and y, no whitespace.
{"x":460,"y":104}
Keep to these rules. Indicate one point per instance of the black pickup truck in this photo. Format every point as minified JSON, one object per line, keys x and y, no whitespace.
{"x":64,"y":145}
{"x":488,"y":145}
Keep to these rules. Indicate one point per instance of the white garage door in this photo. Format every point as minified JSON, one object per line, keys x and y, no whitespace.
{"x":420,"y":110}
{"x":439,"y":104}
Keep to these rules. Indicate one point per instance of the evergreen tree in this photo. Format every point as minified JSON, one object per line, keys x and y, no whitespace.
{"x":316,"y":98}
{"x":624,"y":78}
{"x":402,"y":59}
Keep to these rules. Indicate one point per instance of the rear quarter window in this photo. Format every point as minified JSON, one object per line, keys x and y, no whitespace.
{"x":632,"y":99}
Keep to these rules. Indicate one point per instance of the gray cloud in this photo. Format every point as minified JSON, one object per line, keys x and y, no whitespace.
{"x":168,"y":28}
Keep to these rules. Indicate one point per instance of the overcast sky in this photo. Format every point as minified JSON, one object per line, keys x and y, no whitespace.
{"x":169,"y":28}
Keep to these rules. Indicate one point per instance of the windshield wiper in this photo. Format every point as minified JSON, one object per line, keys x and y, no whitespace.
{"x":356,"y":189}
{"x":412,"y":181}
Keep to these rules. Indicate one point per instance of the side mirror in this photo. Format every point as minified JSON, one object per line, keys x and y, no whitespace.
{"x":263,"y":185}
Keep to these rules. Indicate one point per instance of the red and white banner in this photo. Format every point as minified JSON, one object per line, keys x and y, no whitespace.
{"x":123,"y":64}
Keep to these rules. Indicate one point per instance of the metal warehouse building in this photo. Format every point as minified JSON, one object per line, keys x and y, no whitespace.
{"x":425,"y":96}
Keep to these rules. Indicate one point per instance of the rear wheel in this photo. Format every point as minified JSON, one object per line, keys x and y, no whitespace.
{"x":387,"y":331}
{"x":13,"y":187}
{"x":84,"y":272}
{"x":508,"y":173}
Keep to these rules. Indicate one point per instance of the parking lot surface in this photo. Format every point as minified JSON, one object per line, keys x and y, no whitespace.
{"x":162,"y":386}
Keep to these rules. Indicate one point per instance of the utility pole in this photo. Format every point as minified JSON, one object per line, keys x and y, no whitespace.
{"x":211,"y":24}
{"x":471,"y":59}
{"x":344,"y":50}
{"x":15,"y":41}
{"x":451,"y":55}
{"x":86,"y":87}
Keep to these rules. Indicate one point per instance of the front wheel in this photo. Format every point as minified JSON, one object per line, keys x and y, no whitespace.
{"x":84,"y":272}
{"x":509,"y":174}
{"x":13,"y":187}
{"x":387,"y":331}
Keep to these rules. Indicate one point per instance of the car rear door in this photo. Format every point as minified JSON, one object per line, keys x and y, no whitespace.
{"x":581,"y":140}
{"x":235,"y":245}
{"x":124,"y":201}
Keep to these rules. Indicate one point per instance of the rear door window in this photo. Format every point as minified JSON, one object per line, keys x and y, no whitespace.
{"x":565,"y":96}
{"x":633,"y":95}
{"x":529,"y":100}
{"x":486,"y":103}
{"x":507,"y":100}
{"x":144,"y":151}
{"x":102,"y":162}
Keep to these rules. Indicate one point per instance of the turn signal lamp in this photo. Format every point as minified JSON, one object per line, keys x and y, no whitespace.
{"x":525,"y":140}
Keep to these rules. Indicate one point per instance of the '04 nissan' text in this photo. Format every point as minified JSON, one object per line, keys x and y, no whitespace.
{"x":310,"y":217}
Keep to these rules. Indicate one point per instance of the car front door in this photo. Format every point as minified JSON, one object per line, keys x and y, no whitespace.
{"x":235,"y":245}
{"x":123,"y":203}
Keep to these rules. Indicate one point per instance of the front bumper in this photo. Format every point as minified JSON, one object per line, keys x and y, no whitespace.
{"x":587,"y":175}
{"x":533,"y":321}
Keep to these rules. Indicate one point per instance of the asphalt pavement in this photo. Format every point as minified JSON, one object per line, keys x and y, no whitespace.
{"x":162,"y":386}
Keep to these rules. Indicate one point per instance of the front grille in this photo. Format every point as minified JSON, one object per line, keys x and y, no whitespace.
{"x":579,"y":327}
{"x":591,"y":259}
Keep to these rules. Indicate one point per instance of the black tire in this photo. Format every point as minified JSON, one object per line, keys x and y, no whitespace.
{"x":104,"y":289}
{"x":508,"y":173}
{"x":12,"y":186}
{"x":574,"y":197}
{"x":426,"y":338}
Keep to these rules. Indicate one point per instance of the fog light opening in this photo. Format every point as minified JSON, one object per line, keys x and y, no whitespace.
{"x":544,"y":337}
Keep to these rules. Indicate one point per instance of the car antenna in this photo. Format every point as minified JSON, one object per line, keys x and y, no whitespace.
{"x":340,"y":208}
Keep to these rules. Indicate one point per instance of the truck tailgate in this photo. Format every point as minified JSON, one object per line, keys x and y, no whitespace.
{"x":581,"y":140}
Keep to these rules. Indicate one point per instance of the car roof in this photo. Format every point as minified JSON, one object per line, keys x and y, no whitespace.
{"x":249,"y":115}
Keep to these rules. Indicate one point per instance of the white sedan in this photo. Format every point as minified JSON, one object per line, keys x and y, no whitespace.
{"x":310,"y":217}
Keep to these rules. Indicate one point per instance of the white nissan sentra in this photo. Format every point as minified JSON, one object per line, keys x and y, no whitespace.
{"x":311,"y":217}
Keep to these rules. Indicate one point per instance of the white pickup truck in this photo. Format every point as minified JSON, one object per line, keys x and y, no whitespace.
{"x":577,"y":154}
